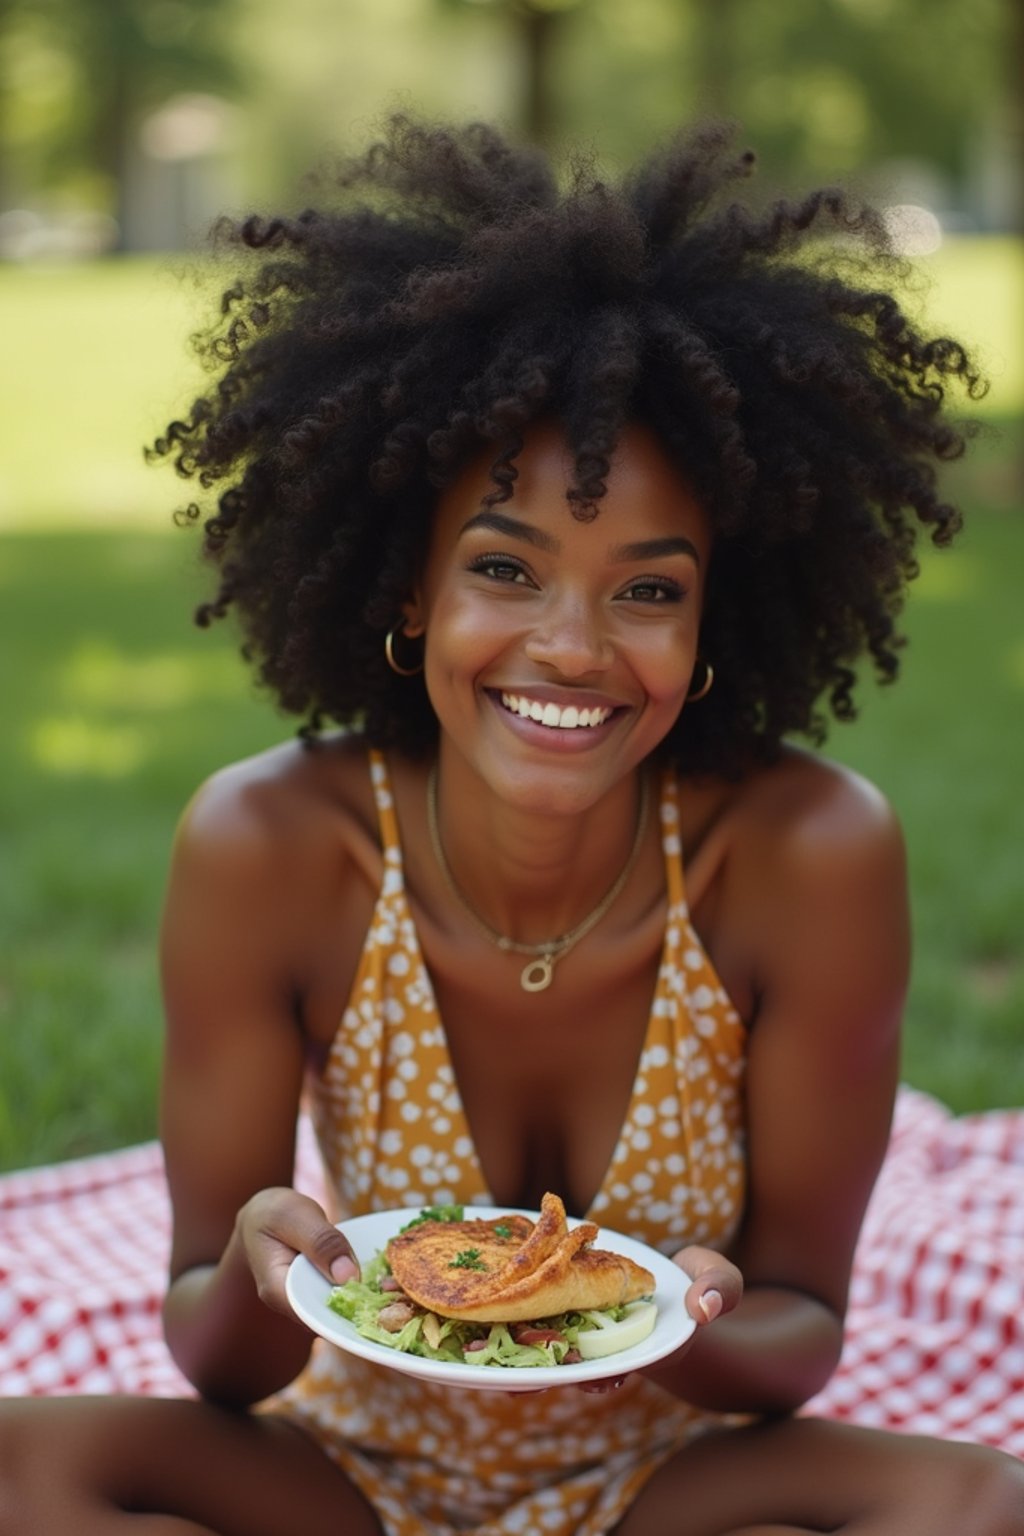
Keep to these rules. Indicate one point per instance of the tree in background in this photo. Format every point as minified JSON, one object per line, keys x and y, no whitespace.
{"x":1014,"y":89}
{"x":536,"y":27}
{"x":117,"y":60}
{"x":821,"y":88}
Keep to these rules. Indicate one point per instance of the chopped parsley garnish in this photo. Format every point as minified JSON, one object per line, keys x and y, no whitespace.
{"x":435,"y":1213}
{"x":469,"y":1258}
{"x":503,"y":1229}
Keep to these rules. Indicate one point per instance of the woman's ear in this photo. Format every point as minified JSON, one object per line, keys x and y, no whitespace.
{"x":412,"y":612}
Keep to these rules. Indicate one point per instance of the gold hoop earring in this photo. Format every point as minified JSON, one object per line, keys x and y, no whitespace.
{"x":705,"y":687}
{"x":398,"y":628}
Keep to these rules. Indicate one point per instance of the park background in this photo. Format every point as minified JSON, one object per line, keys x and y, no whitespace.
{"x":125,"y":127}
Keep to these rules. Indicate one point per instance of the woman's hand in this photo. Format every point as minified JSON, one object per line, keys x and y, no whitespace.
{"x":716,"y":1286}
{"x":277,"y":1224}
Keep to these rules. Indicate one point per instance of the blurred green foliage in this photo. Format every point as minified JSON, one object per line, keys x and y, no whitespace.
{"x":899,"y":93}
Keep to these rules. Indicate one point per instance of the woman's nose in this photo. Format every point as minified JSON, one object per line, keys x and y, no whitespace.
{"x":570,"y":637}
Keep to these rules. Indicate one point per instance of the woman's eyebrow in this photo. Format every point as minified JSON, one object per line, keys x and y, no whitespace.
{"x":656,"y":549}
{"x":500,"y":522}
{"x":642,"y":549}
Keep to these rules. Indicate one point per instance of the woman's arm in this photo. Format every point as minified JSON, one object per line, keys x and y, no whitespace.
{"x":234,"y":1064}
{"x":824,"y":893}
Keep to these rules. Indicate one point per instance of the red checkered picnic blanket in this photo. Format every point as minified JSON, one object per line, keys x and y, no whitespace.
{"x":935,"y":1337}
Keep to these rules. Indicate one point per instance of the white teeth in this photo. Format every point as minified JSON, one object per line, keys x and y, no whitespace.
{"x":569,"y":719}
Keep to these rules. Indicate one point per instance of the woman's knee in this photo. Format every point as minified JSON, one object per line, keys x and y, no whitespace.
{"x":22,"y":1434}
{"x":1000,"y":1495}
{"x":980,"y":1491}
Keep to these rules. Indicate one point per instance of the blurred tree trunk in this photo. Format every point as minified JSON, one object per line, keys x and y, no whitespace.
{"x":1015,"y":105}
{"x":114,"y":119}
{"x":5,"y":106}
{"x":9,"y":189}
{"x":538,"y":29}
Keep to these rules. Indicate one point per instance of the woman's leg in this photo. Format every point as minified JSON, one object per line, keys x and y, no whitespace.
{"x":798,"y":1476}
{"x":92,"y":1466}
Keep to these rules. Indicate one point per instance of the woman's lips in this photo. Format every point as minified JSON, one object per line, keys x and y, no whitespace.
{"x":520,"y":711}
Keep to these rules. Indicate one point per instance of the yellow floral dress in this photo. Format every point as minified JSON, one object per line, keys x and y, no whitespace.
{"x":392,"y":1130}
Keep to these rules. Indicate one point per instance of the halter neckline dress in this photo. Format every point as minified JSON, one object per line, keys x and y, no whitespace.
{"x":392,"y":1131}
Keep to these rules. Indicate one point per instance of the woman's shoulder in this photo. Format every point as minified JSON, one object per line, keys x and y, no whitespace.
{"x":284,"y":803}
{"x":798,"y":804}
{"x":804,"y":801}
{"x":811,"y":834}
{"x":817,"y":851}
{"x":790,"y":835}
{"x":802,"y":889}
{"x":276,"y":866}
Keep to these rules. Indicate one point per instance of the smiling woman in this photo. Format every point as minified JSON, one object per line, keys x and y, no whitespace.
{"x":567,"y":507}
{"x":590,"y":627}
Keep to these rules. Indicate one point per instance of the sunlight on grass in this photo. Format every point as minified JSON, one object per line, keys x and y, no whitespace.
{"x":98,"y":361}
{"x":98,"y":675}
{"x":978,"y":293}
{"x":74,"y":746}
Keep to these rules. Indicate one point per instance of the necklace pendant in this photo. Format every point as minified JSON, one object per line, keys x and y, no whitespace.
{"x":536,"y":977}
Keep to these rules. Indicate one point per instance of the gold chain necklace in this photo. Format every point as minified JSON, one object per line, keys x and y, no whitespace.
{"x":538,"y":973}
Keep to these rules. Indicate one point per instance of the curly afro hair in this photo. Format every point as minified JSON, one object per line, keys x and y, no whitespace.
{"x":453,"y":293}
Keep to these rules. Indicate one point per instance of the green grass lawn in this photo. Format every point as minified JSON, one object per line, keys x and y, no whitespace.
{"x":96,"y":360}
{"x":114,"y":708}
{"x":946,"y":743}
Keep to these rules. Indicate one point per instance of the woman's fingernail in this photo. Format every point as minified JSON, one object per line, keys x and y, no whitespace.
{"x":711,"y":1304}
{"x":342,"y":1269}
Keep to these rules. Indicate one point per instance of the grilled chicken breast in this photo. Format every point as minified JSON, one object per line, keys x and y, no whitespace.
{"x":510,"y":1269}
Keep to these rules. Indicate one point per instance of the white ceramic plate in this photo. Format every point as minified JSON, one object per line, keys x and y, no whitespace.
{"x":308,"y":1291}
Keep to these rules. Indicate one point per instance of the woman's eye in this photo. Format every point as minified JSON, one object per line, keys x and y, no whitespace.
{"x":499,"y":569}
{"x":649,"y":590}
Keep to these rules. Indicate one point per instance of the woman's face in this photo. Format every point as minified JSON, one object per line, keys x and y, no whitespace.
{"x":557,"y":652}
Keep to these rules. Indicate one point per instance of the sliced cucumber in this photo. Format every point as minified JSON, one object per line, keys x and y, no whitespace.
{"x":610,"y":1337}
